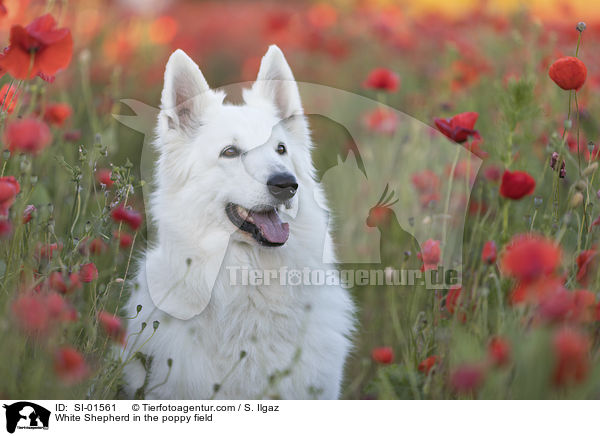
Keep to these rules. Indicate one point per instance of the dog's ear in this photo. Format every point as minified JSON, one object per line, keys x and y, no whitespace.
{"x":276,"y":83}
{"x":185,"y":94}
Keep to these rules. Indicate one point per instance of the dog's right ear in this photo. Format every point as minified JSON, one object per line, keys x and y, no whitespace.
{"x":185,"y":94}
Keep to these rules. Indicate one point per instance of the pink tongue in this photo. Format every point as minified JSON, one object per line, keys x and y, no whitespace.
{"x":271,"y":227}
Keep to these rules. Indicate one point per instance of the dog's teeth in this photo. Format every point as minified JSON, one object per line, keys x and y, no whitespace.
{"x":243,"y":213}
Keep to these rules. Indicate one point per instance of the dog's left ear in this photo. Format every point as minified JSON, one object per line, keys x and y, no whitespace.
{"x":276,"y":83}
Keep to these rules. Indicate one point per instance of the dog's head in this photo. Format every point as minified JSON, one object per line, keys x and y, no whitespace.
{"x":233,"y":168}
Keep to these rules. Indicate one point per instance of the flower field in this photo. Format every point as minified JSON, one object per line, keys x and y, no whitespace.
{"x":514,"y":90}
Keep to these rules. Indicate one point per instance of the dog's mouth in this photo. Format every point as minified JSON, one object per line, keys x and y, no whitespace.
{"x":263,"y":225}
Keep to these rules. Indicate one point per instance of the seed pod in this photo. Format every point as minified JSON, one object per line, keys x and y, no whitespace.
{"x":576,"y":200}
{"x":581,"y":185}
{"x":590,"y":169}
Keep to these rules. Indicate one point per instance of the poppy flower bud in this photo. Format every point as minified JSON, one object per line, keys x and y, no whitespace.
{"x":426,"y":365}
{"x":553,"y":160}
{"x":580,"y":26}
{"x":576,"y":200}
{"x":590,"y":169}
{"x":581,"y":185}
{"x":499,"y":351}
{"x":489,"y":252}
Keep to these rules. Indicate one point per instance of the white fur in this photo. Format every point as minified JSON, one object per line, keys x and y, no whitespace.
{"x":296,"y":338}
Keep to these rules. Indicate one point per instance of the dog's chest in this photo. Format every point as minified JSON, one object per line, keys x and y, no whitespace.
{"x":245,"y":343}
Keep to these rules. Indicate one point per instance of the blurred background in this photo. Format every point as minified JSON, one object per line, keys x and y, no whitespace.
{"x":490,"y":57}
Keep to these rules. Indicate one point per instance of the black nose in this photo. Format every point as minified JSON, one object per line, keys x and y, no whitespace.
{"x":282,"y":186}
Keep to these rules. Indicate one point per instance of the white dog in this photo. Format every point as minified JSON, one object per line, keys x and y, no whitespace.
{"x":228,"y":176}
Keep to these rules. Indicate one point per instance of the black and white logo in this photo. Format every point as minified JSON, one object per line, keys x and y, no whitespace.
{"x":26,"y":415}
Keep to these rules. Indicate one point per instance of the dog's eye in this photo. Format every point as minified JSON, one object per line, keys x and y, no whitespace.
{"x":230,"y":151}
{"x":281,"y":148}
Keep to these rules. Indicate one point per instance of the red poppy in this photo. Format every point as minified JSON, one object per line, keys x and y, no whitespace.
{"x":427,"y":183}
{"x":382,"y":79}
{"x":562,"y":305}
{"x":31,"y":314}
{"x":467,"y":378}
{"x":492,"y":173}
{"x":499,"y":351}
{"x":528,"y":257}
{"x":568,"y":72}
{"x":57,"y":113}
{"x":58,"y":308}
{"x":112,"y":325}
{"x":381,"y":120}
{"x":69,"y":365}
{"x":556,"y":304}
{"x":88,"y":272}
{"x":37,"y":49}
{"x":124,"y":238}
{"x":586,"y":264}
{"x":572,"y":361}
{"x":452,"y":298}
{"x":97,"y":246}
{"x":3,"y":10}
{"x":584,"y":304}
{"x":104,"y":177}
{"x":383,"y":355}
{"x":475,"y":147}
{"x":516,"y":184}
{"x":63,"y":283}
{"x":28,"y":135}
{"x":9,"y":188}
{"x":459,"y":127}
{"x":537,"y":291}
{"x":430,"y":254}
{"x":47,"y":251}
{"x":426,"y":365}
{"x":8,"y":97}
{"x":489,"y":252}
{"x":129,"y":216}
